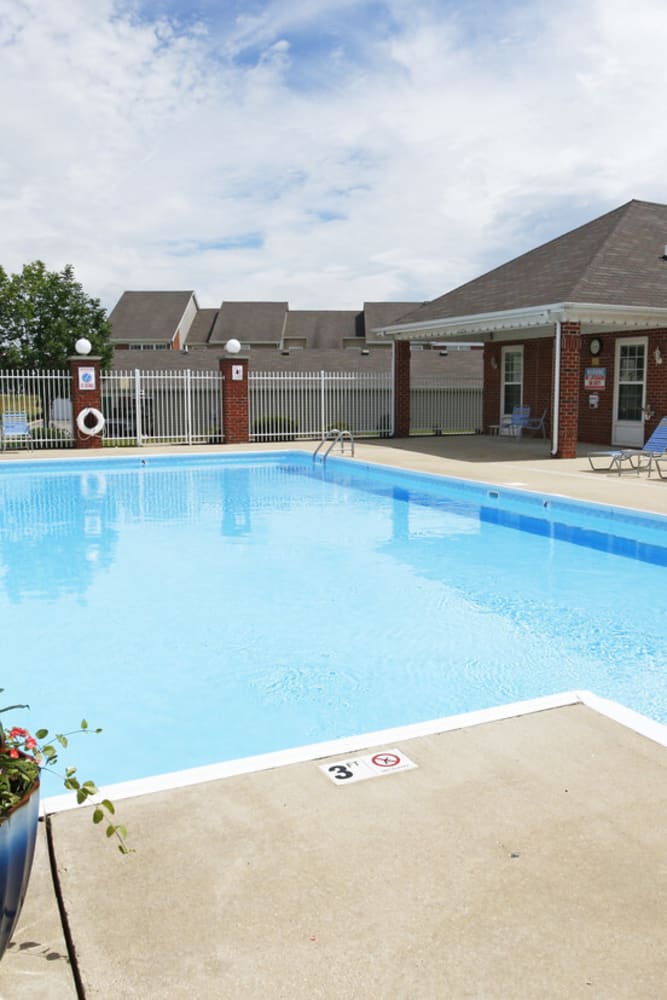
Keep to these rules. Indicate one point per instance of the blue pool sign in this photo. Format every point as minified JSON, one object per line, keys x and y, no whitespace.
{"x":86,"y":378}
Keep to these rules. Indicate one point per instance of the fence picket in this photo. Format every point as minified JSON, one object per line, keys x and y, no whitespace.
{"x":184,"y":407}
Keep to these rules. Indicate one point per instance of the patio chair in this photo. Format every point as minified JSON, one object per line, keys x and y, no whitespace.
{"x":633,"y":459}
{"x":15,"y":426}
{"x":536,"y":423}
{"x":511,"y":423}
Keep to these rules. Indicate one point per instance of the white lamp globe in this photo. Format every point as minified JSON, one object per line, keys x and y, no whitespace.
{"x":233,"y":346}
{"x":83,"y":346}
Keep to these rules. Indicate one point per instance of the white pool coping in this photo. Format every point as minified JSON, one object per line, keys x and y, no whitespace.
{"x":655,"y":731}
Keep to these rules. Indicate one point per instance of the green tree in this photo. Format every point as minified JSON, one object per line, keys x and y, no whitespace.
{"x":42,"y":315}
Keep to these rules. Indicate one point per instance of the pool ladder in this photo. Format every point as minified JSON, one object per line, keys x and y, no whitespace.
{"x":332,"y":437}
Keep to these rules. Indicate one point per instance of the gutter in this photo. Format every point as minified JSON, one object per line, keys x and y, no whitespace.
{"x":556,"y":389}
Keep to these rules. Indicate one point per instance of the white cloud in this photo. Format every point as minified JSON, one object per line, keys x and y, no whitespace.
{"x":417,"y":155}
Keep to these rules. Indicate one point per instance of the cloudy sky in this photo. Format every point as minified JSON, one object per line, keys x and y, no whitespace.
{"x":325,"y":152}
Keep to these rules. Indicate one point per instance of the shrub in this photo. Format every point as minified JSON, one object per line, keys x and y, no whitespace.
{"x":276,"y":428}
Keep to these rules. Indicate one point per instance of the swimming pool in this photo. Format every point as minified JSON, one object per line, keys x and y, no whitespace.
{"x":202,"y":610}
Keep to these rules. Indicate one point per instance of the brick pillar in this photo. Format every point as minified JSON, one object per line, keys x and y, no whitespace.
{"x":401,"y":388}
{"x":86,"y":392}
{"x":570,"y":370}
{"x":235,"y":409}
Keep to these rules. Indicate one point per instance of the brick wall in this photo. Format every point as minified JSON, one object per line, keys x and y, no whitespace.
{"x":84,"y":398}
{"x":401,"y":388}
{"x":537,"y":378}
{"x":568,"y":410}
{"x":595,"y":425}
{"x":235,"y":405}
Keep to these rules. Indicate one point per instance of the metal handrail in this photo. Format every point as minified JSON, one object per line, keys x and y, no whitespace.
{"x":333,"y":436}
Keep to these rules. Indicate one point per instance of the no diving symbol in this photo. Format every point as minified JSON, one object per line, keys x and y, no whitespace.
{"x":386,"y":760}
{"x":346,"y":772}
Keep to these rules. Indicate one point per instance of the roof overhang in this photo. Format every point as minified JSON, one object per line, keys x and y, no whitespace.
{"x":534,"y":321}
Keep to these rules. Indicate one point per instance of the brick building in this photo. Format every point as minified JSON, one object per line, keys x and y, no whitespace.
{"x":576,"y":328}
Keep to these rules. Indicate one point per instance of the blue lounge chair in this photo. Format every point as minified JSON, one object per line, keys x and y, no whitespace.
{"x":536,"y":423}
{"x":633,"y":459}
{"x":522,"y":421}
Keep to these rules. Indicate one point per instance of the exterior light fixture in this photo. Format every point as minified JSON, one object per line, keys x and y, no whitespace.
{"x":83,"y":346}
{"x":233,"y":346}
{"x":494,"y":363}
{"x":657,"y":354}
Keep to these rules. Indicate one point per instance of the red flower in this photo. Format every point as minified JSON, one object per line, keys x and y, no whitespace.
{"x":13,"y":753}
{"x":17,"y":731}
{"x":30,"y":743}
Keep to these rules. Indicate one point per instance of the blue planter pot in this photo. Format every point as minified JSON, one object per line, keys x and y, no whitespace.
{"x":18,"y":834}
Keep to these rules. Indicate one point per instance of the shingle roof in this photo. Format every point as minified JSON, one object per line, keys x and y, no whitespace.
{"x":148,"y":316}
{"x":249,"y":322}
{"x":616,"y":259}
{"x":323,"y":328}
{"x":202,"y":326}
{"x":379,"y":314}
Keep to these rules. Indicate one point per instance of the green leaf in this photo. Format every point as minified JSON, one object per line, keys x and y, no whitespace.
{"x":41,"y":734}
{"x":84,"y":724}
{"x":109,"y":806}
{"x":98,"y":815}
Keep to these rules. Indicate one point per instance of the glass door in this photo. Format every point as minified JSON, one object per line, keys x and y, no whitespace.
{"x":629,"y":392}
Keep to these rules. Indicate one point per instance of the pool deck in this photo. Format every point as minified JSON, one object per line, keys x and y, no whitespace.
{"x":521,"y":858}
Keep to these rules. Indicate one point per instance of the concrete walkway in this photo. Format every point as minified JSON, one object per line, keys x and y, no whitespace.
{"x":521,"y":858}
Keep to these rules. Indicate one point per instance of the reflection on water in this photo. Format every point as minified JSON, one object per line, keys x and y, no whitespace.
{"x":57,"y":530}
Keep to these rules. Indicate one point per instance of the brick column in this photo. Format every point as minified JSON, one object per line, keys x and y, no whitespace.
{"x":570,"y":370}
{"x":235,"y":408}
{"x":86,"y":392}
{"x":401,"y":388}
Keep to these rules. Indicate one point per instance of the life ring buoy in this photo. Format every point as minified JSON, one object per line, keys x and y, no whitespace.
{"x":90,"y":421}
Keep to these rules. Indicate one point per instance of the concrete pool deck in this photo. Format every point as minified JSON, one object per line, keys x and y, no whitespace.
{"x":521,"y":858}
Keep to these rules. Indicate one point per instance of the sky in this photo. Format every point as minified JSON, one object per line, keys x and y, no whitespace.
{"x":322,"y":152}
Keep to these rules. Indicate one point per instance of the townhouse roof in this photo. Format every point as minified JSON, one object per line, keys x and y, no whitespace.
{"x":617,"y":259}
{"x":148,"y":316}
{"x":202,"y":325}
{"x":324,"y":328}
{"x":379,"y":314}
{"x":249,"y":322}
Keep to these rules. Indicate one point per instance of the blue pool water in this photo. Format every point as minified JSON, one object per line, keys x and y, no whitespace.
{"x":204,"y":610}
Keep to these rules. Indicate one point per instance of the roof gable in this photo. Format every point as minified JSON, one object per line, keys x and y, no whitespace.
{"x":616,"y":259}
{"x":249,"y":322}
{"x":148,"y":316}
{"x":323,"y":328}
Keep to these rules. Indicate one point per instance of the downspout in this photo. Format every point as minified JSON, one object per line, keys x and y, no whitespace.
{"x":556,"y":407}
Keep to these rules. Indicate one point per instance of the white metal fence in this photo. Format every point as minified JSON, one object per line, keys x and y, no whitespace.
{"x":43,"y":400}
{"x":175,"y":407}
{"x":445,"y":409}
{"x":287,"y":406}
{"x":185,"y":407}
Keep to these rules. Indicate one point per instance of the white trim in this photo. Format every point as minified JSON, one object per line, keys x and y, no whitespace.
{"x":586,"y":313}
{"x":652,"y":730}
